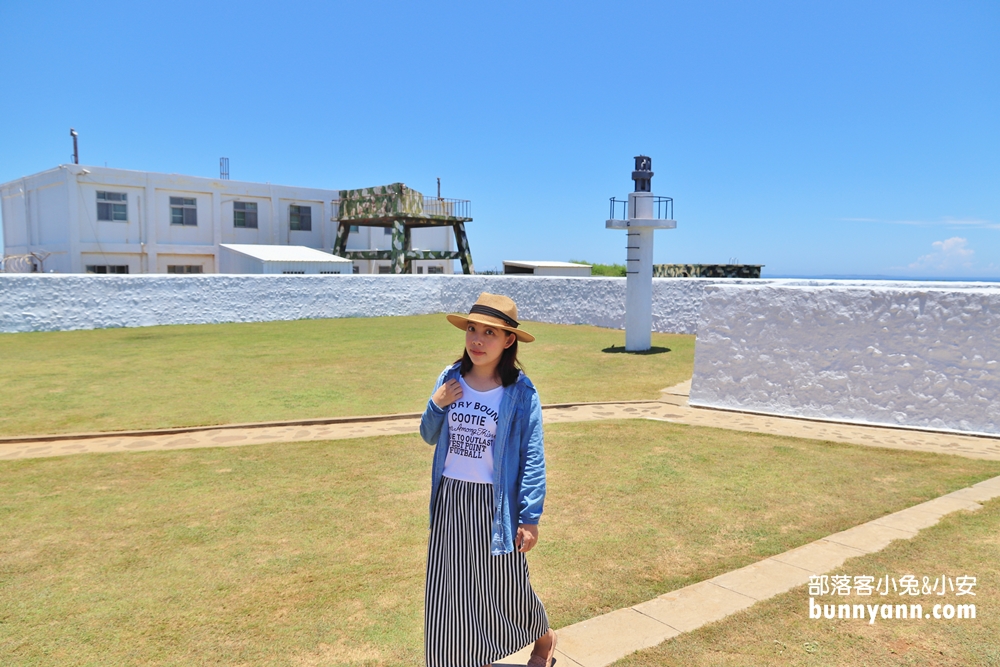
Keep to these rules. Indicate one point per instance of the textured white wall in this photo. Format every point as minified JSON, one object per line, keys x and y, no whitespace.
{"x":919,"y":355}
{"x":905,"y":355}
{"x":52,"y":302}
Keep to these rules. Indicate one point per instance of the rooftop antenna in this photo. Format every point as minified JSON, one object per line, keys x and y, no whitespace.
{"x":76,"y":153}
{"x":439,"y":187}
{"x":224,"y":168}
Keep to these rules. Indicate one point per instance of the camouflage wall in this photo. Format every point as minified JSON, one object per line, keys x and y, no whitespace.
{"x":381,"y":201}
{"x":707,"y":270}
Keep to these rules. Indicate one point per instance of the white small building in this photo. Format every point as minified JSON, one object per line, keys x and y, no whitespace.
{"x":546,"y":268}
{"x":288,"y":259}
{"x":106,"y":220}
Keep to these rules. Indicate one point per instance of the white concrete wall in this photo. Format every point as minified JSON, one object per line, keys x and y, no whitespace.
{"x":904,"y":354}
{"x":582,"y":272}
{"x":164,"y":262}
{"x":34,"y":218}
{"x":232,"y":262}
{"x":33,"y":302}
{"x":899,"y":354}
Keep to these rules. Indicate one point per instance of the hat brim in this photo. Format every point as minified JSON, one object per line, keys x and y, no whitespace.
{"x":462,"y":321}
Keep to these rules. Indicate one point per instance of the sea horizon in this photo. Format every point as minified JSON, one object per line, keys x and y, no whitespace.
{"x":852,"y":276}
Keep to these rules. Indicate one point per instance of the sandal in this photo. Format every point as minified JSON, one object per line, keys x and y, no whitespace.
{"x":549,"y":659}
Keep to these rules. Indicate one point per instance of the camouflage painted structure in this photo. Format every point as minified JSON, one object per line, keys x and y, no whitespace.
{"x":402,"y":209}
{"x":707,"y":270}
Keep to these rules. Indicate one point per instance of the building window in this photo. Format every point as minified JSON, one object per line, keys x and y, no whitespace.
{"x":294,"y":273}
{"x":107,"y":268}
{"x":420,"y":269}
{"x":355,"y":269}
{"x":183,"y":268}
{"x":353,"y":230}
{"x":384,"y":269}
{"x":435,"y":269}
{"x":245,"y":214}
{"x":387,"y":231}
{"x":183,"y":211}
{"x":300,"y":218}
{"x":330,"y":272}
{"x":112,"y":206}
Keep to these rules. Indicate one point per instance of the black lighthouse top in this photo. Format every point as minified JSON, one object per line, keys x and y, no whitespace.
{"x":643,"y":173}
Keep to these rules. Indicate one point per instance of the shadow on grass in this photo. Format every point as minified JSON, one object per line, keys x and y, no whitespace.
{"x":621,"y":350}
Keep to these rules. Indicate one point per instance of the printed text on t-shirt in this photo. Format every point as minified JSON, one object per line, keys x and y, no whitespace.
{"x":472,"y":428}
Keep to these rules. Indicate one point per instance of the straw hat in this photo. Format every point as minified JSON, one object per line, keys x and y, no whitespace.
{"x":495,"y":310}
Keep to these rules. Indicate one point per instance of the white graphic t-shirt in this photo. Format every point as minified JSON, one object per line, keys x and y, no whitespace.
{"x":472,"y":430}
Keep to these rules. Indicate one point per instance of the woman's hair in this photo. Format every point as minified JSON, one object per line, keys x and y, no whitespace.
{"x":508,"y":369}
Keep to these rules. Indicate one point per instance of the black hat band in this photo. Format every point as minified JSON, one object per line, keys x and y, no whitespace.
{"x":493,"y":312}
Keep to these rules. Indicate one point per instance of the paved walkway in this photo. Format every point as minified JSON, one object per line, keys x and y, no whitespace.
{"x":602,"y":640}
{"x":671,"y":407}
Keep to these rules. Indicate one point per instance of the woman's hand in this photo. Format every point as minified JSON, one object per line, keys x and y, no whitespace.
{"x":447,"y":394}
{"x":527,"y":537}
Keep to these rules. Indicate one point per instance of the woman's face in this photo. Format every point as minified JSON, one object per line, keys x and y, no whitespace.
{"x":485,"y":344}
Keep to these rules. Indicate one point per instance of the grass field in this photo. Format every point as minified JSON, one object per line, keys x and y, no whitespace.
{"x":117,"y":379}
{"x":779,"y":631}
{"x":313,"y":553}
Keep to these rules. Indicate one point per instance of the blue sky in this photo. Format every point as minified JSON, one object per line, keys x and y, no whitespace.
{"x":813,"y":138}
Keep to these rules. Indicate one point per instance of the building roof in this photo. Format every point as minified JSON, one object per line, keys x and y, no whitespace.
{"x":545,"y":265}
{"x":283,"y":253}
{"x":102,"y":174}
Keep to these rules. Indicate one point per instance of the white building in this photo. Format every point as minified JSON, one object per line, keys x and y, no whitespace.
{"x":533,"y":268}
{"x":251,"y":258}
{"x":105,"y":220}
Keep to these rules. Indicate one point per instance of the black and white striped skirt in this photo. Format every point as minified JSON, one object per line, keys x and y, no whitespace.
{"x":478,"y":608}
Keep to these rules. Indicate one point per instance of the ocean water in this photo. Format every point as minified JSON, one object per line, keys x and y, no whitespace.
{"x":878,"y":277}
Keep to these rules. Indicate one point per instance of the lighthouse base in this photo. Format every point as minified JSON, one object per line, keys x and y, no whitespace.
{"x":639,"y":290}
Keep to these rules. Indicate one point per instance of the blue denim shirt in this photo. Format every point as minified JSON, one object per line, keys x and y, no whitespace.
{"x":518,"y":458}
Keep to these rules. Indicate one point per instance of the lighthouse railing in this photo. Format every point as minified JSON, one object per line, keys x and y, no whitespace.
{"x":663,"y":208}
{"x":615,"y":204}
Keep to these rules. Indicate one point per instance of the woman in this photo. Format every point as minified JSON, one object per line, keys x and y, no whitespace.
{"x":487,"y":492}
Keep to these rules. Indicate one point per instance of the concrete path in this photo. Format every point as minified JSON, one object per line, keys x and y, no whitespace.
{"x":971,"y":446}
{"x":672,"y":407}
{"x":602,"y":640}
{"x":210,"y":437}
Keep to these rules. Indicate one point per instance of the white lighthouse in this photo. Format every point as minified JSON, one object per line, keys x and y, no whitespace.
{"x":643,"y":214}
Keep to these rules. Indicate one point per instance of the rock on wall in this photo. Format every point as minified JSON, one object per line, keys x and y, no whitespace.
{"x":904,"y":355}
{"x":54,"y":302}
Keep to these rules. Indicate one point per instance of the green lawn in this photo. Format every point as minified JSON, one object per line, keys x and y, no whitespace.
{"x":313,"y":553}
{"x":779,"y":631}
{"x":119,"y":379}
